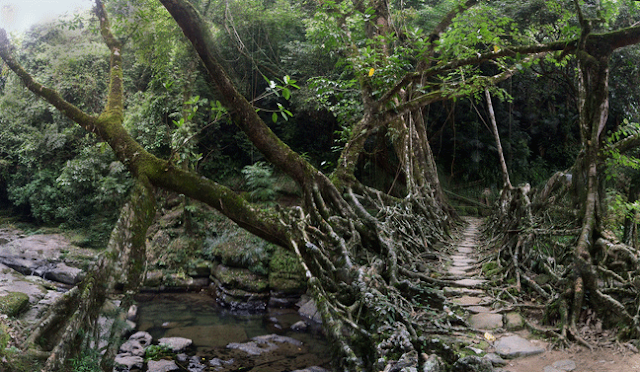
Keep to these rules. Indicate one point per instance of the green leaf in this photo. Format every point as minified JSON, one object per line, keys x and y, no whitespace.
{"x":286,"y":93}
{"x":274,"y":117}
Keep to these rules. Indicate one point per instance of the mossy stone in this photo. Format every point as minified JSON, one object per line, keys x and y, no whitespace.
{"x":235,"y":278}
{"x":13,"y":303}
{"x":285,"y":272}
{"x":514,"y":321}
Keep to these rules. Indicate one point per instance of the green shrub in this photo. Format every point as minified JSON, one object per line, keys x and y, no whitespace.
{"x":88,"y":361}
{"x":156,"y":352}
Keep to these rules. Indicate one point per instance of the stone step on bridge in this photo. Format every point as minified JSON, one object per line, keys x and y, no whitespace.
{"x":499,"y":335}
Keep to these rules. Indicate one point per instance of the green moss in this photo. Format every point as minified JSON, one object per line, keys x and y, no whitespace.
{"x":239,"y":249}
{"x":4,"y":338}
{"x":13,"y":303}
{"x":241,"y":279}
{"x":14,"y":360}
{"x":285,"y":272}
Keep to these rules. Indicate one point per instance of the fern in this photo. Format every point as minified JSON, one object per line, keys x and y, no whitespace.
{"x":260,"y":181}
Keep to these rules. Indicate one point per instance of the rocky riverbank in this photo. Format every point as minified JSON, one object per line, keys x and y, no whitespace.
{"x":240,"y":272}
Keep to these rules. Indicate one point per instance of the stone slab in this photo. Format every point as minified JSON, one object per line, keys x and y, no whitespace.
{"x":465,"y":250}
{"x":486,"y":321}
{"x":515,"y":346}
{"x":514,"y":321}
{"x":459,"y":272}
{"x":461,"y":268}
{"x":469,"y":282}
{"x":456,"y":257}
{"x":463,"y":263}
{"x":479,"y":309}
{"x":467,"y":300}
{"x":451,"y":291}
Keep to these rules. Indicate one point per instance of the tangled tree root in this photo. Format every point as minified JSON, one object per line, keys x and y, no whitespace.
{"x":534,"y":249}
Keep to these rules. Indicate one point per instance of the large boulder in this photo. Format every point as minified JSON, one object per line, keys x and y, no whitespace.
{"x":50,"y":256}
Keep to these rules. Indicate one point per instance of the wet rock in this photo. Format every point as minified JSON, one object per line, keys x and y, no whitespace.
{"x":162,"y":365}
{"x":176,"y":344}
{"x":561,"y":366}
{"x":486,"y":321}
{"x":516,"y":346}
{"x":133,"y":348}
{"x":126,"y":363}
{"x":217,"y":362}
{"x":241,"y":300}
{"x":263,"y":344}
{"x":194,"y":364}
{"x":63,"y":273}
{"x":495,"y":359}
{"x":299,"y":326}
{"x":283,"y":299}
{"x":136,"y":344}
{"x":143,"y":338}
{"x":472,"y":364}
{"x":310,"y":311}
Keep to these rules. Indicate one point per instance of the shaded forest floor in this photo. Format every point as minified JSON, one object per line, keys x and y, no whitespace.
{"x":602,"y":359}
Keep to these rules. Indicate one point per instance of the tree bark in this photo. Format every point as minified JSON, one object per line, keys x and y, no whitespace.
{"x":506,"y":182}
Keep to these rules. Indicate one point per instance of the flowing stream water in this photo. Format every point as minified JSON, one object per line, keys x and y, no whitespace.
{"x":198,"y":317}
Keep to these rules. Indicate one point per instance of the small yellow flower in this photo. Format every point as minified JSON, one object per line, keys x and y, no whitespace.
{"x":371,"y":71}
{"x":489,"y":337}
{"x":496,"y":48}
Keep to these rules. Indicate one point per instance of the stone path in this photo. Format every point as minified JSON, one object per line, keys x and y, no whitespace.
{"x":468,"y":293}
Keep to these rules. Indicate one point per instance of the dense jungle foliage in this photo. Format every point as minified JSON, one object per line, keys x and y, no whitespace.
{"x":385,"y":108}
{"x":47,"y":162}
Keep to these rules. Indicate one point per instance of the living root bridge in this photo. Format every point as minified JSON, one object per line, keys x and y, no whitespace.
{"x":370,"y":277}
